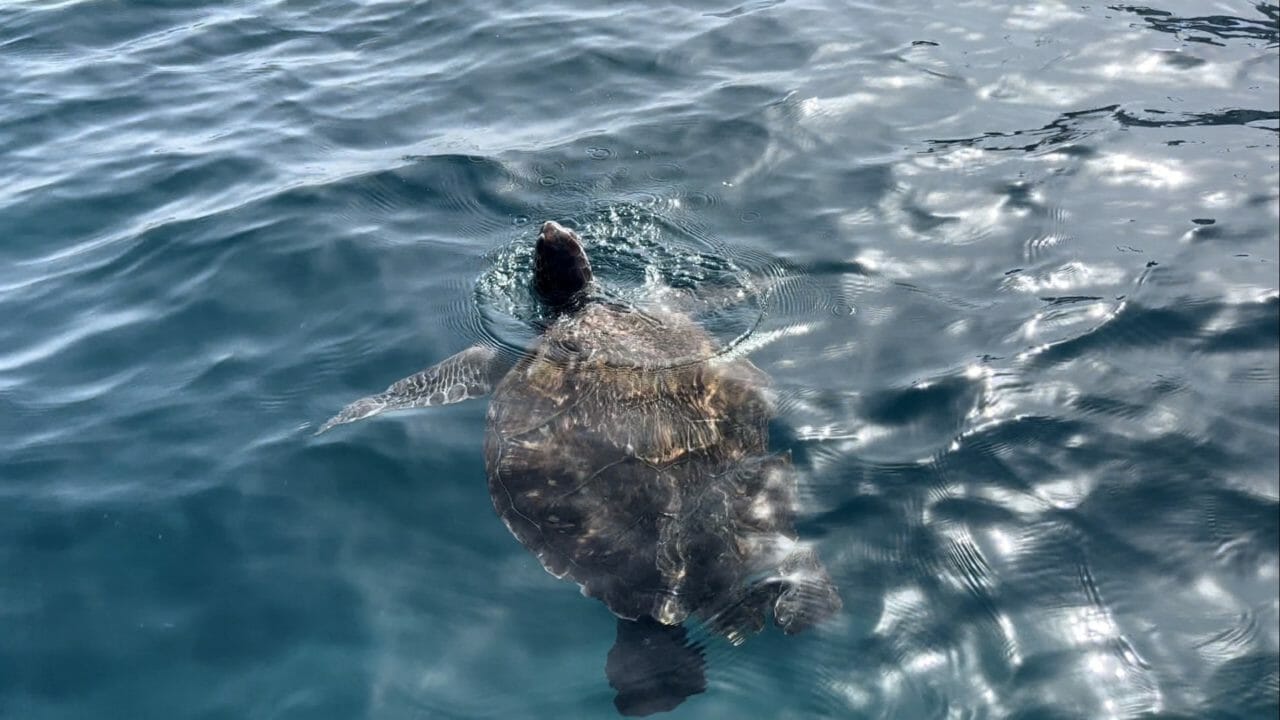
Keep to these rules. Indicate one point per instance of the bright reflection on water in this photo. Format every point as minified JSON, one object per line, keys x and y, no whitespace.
{"x":1011,"y":267}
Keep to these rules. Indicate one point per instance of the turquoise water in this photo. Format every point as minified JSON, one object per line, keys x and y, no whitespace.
{"x":1011,"y":267}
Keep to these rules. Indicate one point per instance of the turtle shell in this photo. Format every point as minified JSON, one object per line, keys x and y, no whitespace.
{"x":630,"y":458}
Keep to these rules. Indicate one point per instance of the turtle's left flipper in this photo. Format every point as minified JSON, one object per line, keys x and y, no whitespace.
{"x":653,"y":667}
{"x":469,"y":374}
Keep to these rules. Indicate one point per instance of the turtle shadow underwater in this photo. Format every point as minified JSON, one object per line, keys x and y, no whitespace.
{"x":630,"y":455}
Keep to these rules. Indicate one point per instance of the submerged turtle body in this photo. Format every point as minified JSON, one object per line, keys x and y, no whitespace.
{"x":629,"y":461}
{"x":632,"y":458}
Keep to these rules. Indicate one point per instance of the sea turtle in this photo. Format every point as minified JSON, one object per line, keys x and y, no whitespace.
{"x":631,"y":457}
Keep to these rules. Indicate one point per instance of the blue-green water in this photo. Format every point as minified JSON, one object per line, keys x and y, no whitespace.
{"x":1020,"y":310}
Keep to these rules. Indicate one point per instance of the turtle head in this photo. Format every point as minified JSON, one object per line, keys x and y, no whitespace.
{"x":561,"y":272}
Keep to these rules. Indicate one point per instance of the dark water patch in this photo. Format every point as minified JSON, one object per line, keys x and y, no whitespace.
{"x":936,"y":407}
{"x":1256,"y":327}
{"x":1070,"y":299}
{"x":1172,"y":517}
{"x":1204,"y":28}
{"x":1133,"y":326}
{"x":1239,"y":116}
{"x":862,"y":185}
{"x":972,"y":512}
{"x":1246,"y":687}
{"x":1063,"y":135}
{"x":874,"y":516}
{"x":1012,"y":454}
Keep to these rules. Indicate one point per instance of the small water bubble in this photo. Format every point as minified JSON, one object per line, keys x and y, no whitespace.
{"x":599,"y":153}
{"x":548,"y":180}
{"x":750,"y":216}
{"x":699,"y":200}
{"x":519,"y":219}
{"x":646,"y":199}
{"x":666,"y":172}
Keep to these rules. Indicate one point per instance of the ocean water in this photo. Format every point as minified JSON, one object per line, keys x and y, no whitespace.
{"x":1012,"y":268}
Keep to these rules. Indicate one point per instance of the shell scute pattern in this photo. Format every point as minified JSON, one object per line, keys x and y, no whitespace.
{"x":631,"y":462}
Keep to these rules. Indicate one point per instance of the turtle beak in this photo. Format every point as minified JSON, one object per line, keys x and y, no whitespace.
{"x":561,"y":269}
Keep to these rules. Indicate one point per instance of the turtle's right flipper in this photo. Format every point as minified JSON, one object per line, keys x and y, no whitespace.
{"x":469,"y":374}
{"x":653,"y":667}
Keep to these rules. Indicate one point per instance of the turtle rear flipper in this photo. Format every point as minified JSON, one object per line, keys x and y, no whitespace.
{"x":469,"y":374}
{"x":806,"y":594}
{"x":653,"y":667}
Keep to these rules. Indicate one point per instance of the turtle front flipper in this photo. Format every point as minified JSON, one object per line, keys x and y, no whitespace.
{"x":469,"y":374}
{"x":653,"y":667}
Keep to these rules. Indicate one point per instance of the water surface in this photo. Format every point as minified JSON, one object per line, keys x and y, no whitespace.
{"x":1022,"y":318}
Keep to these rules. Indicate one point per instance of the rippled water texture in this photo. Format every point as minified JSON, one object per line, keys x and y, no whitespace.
{"x":1012,"y":268}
